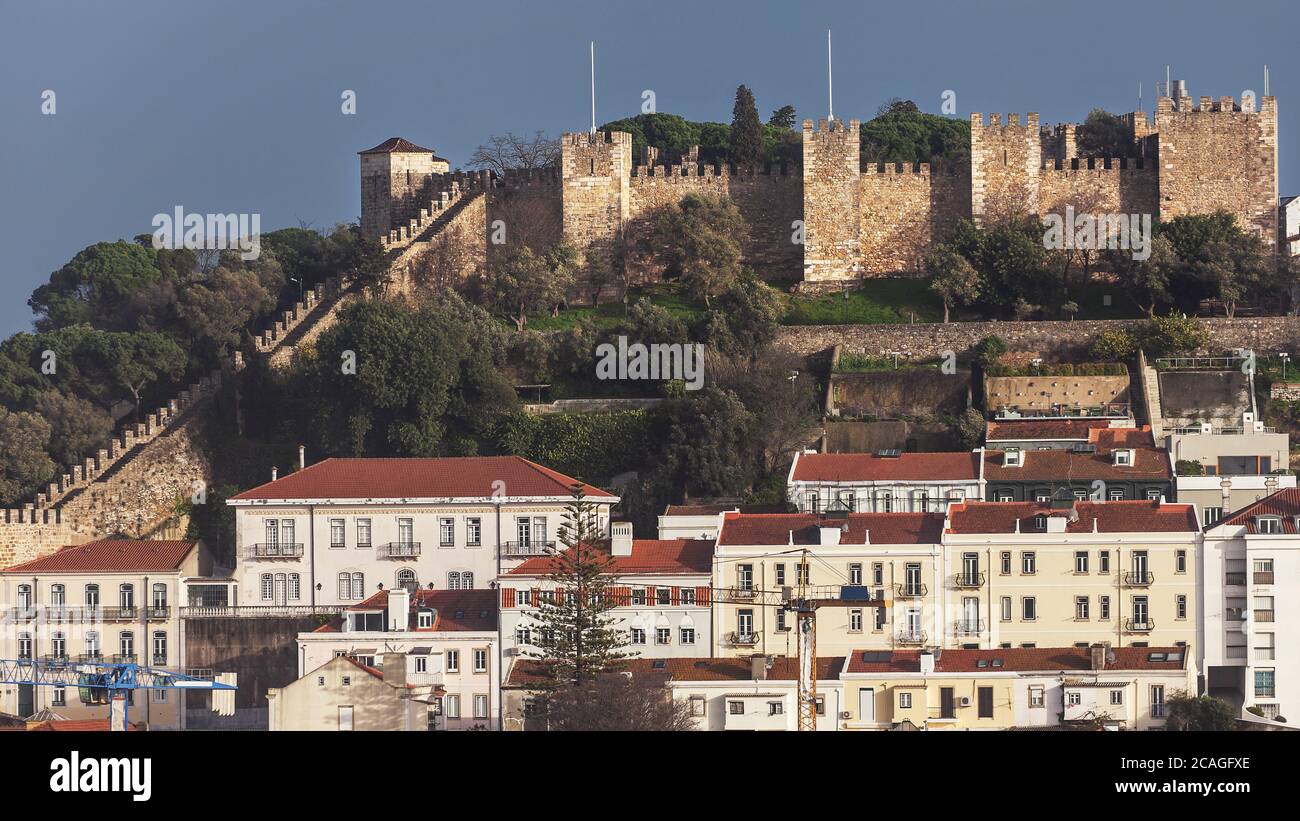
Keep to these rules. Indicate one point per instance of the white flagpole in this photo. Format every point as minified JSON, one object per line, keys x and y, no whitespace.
{"x":593,"y":86}
{"x":830,"y":85}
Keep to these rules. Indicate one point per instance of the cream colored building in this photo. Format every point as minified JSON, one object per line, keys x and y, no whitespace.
{"x":335,"y":532}
{"x":884,"y":482}
{"x":344,"y":694}
{"x":954,"y":689}
{"x":112,"y":601}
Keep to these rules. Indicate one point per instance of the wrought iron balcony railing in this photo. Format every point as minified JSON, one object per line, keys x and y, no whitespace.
{"x":739,"y":639}
{"x":278,"y":550}
{"x":970,"y":627}
{"x":910,"y":637}
{"x":1134,"y":578}
{"x":904,"y":590}
{"x":1135,"y":626}
{"x":529,"y":548}
{"x":399,"y":550}
{"x":968,"y":580}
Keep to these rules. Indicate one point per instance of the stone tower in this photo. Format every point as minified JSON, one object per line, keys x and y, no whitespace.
{"x":595,"y":174}
{"x":1004,"y":166}
{"x":394,"y":176}
{"x":832,"y":201}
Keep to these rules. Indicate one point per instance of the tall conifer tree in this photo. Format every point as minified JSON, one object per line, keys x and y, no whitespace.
{"x":746,"y":130}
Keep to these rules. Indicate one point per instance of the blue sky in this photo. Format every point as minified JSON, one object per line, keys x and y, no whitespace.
{"x":235,"y":106}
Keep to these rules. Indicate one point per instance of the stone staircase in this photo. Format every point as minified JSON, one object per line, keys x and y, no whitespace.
{"x":1149,"y":381}
{"x":443,"y":207}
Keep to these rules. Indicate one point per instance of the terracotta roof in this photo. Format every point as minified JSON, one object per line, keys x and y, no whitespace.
{"x":1044,"y":429}
{"x":455,"y":611}
{"x":669,"y":556}
{"x":434,"y":478}
{"x":111,"y":555}
{"x":722,"y":507}
{"x":399,"y":145}
{"x":1022,"y":659}
{"x":1149,"y":462}
{"x":1110,"y":517}
{"x":884,"y":528}
{"x":866,"y":467}
{"x":1284,"y":504}
{"x":784,"y":668}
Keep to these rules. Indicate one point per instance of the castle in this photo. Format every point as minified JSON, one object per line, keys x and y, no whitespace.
{"x":829,"y":220}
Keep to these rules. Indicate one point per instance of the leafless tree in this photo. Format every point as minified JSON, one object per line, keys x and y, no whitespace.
{"x":449,"y":261}
{"x":508,"y":152}
{"x":618,"y":702}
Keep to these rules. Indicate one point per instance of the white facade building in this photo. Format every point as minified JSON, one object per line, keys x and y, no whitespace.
{"x":886,"y":482}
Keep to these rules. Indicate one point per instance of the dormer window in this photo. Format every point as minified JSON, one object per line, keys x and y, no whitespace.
{"x":1269,"y":524}
{"x":1123,"y":458}
{"x":1012,"y":458}
{"x":1040,"y":522}
{"x":424,"y":619}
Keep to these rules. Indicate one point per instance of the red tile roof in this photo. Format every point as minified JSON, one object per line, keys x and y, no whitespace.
{"x":1149,"y":462}
{"x":397,"y":145}
{"x":784,"y":668}
{"x":649,"y":556}
{"x":1284,"y":504}
{"x":472,"y":477}
{"x":111,"y":555}
{"x":1022,"y":659}
{"x":867,"y":467}
{"x":1044,"y":429}
{"x":1110,"y":517}
{"x":883,"y":528}
{"x":455,"y":610}
{"x":82,"y":725}
{"x":722,"y":507}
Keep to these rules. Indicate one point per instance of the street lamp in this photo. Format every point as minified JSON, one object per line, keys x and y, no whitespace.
{"x":1284,"y":357}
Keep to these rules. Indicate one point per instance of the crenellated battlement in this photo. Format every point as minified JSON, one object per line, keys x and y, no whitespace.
{"x":1099,"y":165}
{"x":1220,"y":105}
{"x":670,"y":173}
{"x":1012,"y":122}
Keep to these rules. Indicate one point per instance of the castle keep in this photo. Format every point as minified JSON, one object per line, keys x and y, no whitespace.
{"x":831,"y":220}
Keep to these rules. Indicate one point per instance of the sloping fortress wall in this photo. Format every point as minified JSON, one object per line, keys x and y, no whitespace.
{"x":855,"y":222}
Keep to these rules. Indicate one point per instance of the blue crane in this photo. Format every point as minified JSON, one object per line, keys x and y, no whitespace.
{"x":97,"y":681}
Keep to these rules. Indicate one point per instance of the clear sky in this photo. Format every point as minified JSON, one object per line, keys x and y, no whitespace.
{"x":234,"y":106}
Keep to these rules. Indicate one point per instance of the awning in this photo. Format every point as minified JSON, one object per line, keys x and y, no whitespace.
{"x":419,"y":651}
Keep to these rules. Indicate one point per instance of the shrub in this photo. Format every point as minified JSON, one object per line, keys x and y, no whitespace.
{"x":1114,"y":345}
{"x":1175,"y":334}
{"x":989,"y":350}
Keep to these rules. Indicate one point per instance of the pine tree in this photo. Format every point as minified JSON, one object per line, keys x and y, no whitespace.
{"x":746,"y":130}
{"x":574,"y":635}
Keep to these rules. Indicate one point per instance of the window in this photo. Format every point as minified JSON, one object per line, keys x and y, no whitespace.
{"x":524,"y":597}
{"x":912,"y":580}
{"x":24,"y":645}
{"x":885,"y":502}
{"x":286,"y":533}
{"x":59,"y":645}
{"x":363,"y":533}
{"x":446,"y":532}
{"x":780,"y":619}
{"x":160,"y":648}
{"x":60,"y":697}
{"x":424,"y":619}
{"x":1269,"y":524}
{"x":453,"y":661}
{"x":1103,"y":607}
{"x":697,"y":706}
{"x":686,"y":635}
{"x":159,"y":596}
{"x":1210,"y":515}
{"x":1080,"y":561}
{"x":480,"y":706}
{"x":407,"y":579}
{"x":1006,"y":496}
{"x":663,"y":635}
{"x":126,"y":644}
{"x":1080,"y":608}
{"x":801,"y":574}
{"x":451,"y":706}
{"x":474,"y":532}
{"x":345,"y":586}
{"x":1157,"y":701}
{"x":1180,"y":561}
{"x":855,"y":574}
{"x":638,"y":596}
{"x":688,"y":595}
{"x":855,"y":621}
{"x":1006,"y":608}
{"x":1028,"y":563}
{"x":812,"y":501}
{"x":745,"y":576}
{"x":1153,"y":494}
{"x":92,"y":595}
{"x":457,"y":580}
{"x":638,"y":635}
{"x":295,"y":586}
{"x":58,"y":595}
{"x":984,"y":695}
{"x":877,"y":573}
{"x":736,"y":708}
{"x":1265,"y":683}
{"x":1180,"y":606}
{"x":272,"y":536}
{"x":904,"y":701}
{"x":1028,"y":608}
{"x":1116,"y":494}
{"x":779,"y":569}
{"x":745,"y":624}
{"x":663,"y":596}
{"x":92,"y":644}
{"x":1042,"y":496}
{"x":1265,"y":646}
{"x":338,"y":537}
{"x":480,"y":660}
{"x":1040,"y":522}
{"x":1103,"y":561}
{"x":1006,"y":563}
{"x":1036,"y":697}
{"x":405,"y":532}
{"x":776,"y":708}
{"x":268,"y":587}
{"x":1073,"y":698}
{"x":1116,"y":697}
{"x":126,"y":596}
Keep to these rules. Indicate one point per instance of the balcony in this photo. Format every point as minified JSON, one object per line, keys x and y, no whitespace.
{"x":56,"y":659}
{"x":1136,"y":578}
{"x":1234,"y":578}
{"x":159,"y":661}
{"x":739,"y":639}
{"x":744,"y":592}
{"x":904,"y":590}
{"x":124,"y":658}
{"x":1262,"y":577}
{"x":970,"y":627}
{"x":510,"y":550}
{"x":910,"y":637}
{"x":221,"y":611}
{"x":159,"y":613}
{"x":1134,"y":626}
{"x":969,"y":581}
{"x":90,"y":658}
{"x":22,"y":613}
{"x":399,"y":550}
{"x":118,"y":613}
{"x":279,"y":550}
{"x":1264,"y":615}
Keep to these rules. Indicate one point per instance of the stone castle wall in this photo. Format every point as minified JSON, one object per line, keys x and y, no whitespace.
{"x":832,"y":201}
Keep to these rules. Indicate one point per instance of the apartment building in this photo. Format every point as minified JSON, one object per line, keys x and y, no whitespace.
{"x":335,"y":532}
{"x":1114,"y":464}
{"x":1251,"y":571}
{"x":889,"y":481}
{"x":1046,"y":433}
{"x":888,"y":564}
{"x":1225,"y":468}
{"x":1071,"y":573}
{"x":1002,"y":689}
{"x":661,"y":595}
{"x":751,"y":693}
{"x":703,"y":521}
{"x":444,"y":639}
{"x":112,"y":600}
{"x":347,"y":694}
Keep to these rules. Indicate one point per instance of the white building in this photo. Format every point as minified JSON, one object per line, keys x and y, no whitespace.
{"x":886,"y":482}
{"x":1290,"y":225}
{"x":661,"y":591}
{"x":1251,"y":623}
{"x":443,"y":639}
{"x":335,"y":532}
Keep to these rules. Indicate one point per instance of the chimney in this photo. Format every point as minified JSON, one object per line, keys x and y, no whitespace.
{"x":1270,"y":484}
{"x":1097,"y":657}
{"x":275,"y":473}
{"x":828,"y":535}
{"x":399,"y":608}
{"x":302,"y":457}
{"x":758,"y":665}
{"x":927,"y":663}
{"x":395,"y":669}
{"x":620,"y":543}
{"x":1225,"y":486}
